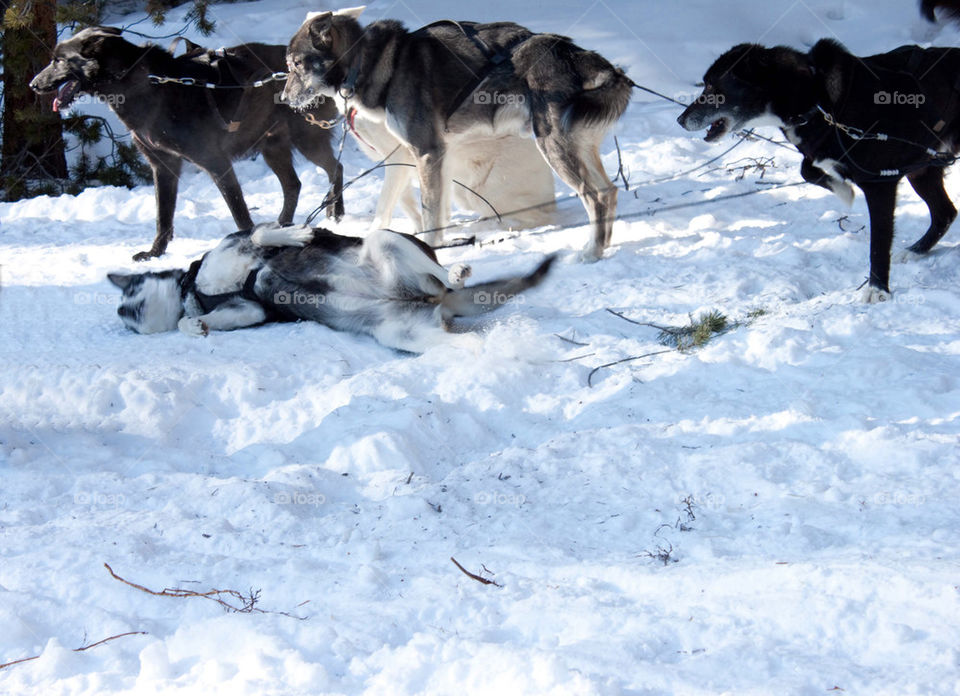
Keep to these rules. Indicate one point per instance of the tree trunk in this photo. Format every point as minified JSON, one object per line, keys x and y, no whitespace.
{"x":32,"y":132}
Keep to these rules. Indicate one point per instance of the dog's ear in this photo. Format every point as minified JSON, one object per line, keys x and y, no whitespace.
{"x":93,"y":42}
{"x":320,"y":27}
{"x":830,"y":60}
{"x":121,"y":280}
{"x":351,"y":12}
{"x":189,"y":47}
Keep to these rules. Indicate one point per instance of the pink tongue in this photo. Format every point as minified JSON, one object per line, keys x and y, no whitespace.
{"x":56,"y":103}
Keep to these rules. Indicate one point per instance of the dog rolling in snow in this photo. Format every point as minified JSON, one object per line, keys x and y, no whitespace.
{"x":461,"y":81}
{"x":388,"y":285}
{"x":866,"y":120}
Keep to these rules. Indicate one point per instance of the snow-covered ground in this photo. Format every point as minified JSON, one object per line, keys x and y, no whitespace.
{"x":799,"y":473}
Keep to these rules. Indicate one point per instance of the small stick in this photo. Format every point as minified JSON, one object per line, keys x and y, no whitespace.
{"x":249,"y":602}
{"x":570,"y":340}
{"x":474,"y":576}
{"x":638,"y":323}
{"x":85,"y":647}
{"x":575,"y":358}
{"x":617,"y":362}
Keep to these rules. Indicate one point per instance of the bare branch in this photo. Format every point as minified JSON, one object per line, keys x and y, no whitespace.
{"x":466,"y":572}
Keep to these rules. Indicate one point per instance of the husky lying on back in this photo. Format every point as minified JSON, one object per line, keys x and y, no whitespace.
{"x":388,"y":285}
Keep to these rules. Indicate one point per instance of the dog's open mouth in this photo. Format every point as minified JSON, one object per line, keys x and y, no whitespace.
{"x":717,"y":129}
{"x":65,"y":94}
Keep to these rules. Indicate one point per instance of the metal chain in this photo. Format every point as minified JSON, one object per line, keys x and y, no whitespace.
{"x":194,"y":82}
{"x":938,"y":159}
{"x":323,"y":123}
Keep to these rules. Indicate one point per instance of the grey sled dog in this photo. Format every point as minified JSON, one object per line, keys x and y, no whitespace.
{"x":387,"y":285}
{"x":462,"y":81}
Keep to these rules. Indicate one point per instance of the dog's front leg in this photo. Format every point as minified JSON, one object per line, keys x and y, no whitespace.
{"x":221,"y":171}
{"x":234,"y":314}
{"x":434,"y":195}
{"x":166,"y":180}
{"x":881,"y":202}
{"x":397,"y":187}
{"x":812,"y":174}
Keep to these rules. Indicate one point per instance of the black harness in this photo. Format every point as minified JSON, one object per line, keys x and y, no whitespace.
{"x":208,"y":303}
{"x":494,"y":58}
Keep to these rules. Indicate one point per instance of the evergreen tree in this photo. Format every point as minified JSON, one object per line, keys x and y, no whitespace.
{"x":32,"y":133}
{"x":33,"y":155}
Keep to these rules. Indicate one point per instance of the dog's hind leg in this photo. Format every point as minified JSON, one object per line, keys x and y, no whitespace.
{"x":404,"y":261}
{"x":606,"y":192}
{"x":166,"y":180}
{"x":928,"y":183}
{"x":277,"y":155}
{"x":579,"y":165}
{"x":411,"y":330}
{"x":233,"y":314}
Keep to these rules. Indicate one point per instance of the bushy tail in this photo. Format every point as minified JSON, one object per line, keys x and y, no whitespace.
{"x":486,"y":297}
{"x":950,"y":9}
{"x":600,"y":103}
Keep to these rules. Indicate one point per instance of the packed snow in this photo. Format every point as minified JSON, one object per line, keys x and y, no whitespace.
{"x":773,"y":513}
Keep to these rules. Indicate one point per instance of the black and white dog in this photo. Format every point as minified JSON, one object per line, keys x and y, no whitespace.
{"x":388,"y":285}
{"x":171,"y":122}
{"x":453,"y":81}
{"x":870,"y":121}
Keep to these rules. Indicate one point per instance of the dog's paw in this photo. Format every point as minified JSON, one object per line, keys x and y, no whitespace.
{"x":875,"y":295}
{"x":906,"y":256}
{"x":458,"y":275}
{"x":590,"y":255}
{"x":193,"y":326}
{"x":844,"y":191}
{"x":275,"y":236}
{"x":145,"y":255}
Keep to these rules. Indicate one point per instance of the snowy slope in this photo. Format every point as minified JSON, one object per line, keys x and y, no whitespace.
{"x":799,"y":472}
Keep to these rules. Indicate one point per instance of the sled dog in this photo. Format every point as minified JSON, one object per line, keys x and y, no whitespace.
{"x":387,"y":285}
